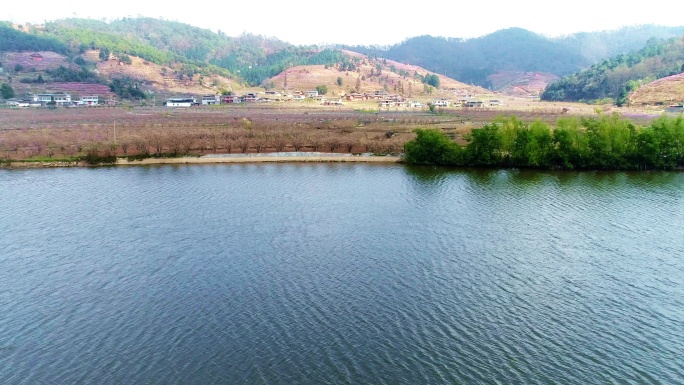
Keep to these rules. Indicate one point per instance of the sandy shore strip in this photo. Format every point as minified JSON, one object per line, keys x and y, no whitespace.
{"x":280,"y":157}
{"x":266,"y":158}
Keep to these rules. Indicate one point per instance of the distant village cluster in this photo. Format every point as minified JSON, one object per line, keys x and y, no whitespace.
{"x":61,"y":100}
{"x":383,"y":99}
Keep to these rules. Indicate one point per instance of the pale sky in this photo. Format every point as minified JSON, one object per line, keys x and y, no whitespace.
{"x":364,"y":22}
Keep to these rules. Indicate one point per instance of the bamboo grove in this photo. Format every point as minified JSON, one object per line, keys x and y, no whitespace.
{"x":606,"y":142}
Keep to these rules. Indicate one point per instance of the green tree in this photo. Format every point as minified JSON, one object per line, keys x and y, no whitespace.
{"x":484,"y":148}
{"x":18,"y":68}
{"x":104,"y":53}
{"x":6,"y":91}
{"x":125,"y":59}
{"x":432,"y":147}
{"x":432,"y":80}
{"x":322,"y":89}
{"x":339,"y":81}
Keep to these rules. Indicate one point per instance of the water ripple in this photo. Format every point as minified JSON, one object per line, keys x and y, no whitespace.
{"x":289,"y":273}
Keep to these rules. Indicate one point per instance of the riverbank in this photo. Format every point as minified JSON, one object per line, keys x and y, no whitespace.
{"x":263,"y":158}
{"x":217,"y":159}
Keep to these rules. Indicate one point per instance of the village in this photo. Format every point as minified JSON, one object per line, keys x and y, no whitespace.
{"x":382,"y":98}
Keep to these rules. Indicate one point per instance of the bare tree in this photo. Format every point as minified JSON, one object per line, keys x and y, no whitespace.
{"x":332,"y":143}
{"x":187,"y":142}
{"x":373,"y":145}
{"x":279,"y":142}
{"x":174,"y":141}
{"x":141,"y":146}
{"x":156,"y":138}
{"x":124,"y":146}
{"x":349,"y":145}
{"x":298,"y":141}
{"x":315,"y":143}
{"x":213,"y":139}
{"x":243,"y":144}
{"x":260,"y":142}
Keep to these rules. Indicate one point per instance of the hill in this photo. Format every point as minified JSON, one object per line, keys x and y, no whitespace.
{"x":616,"y":77}
{"x":517,"y":50}
{"x":596,"y":46}
{"x":665,"y":91}
{"x":152,"y":55}
{"x":363,"y":74}
{"x":147,"y":54}
{"x":248,"y":57}
{"x":473,"y":60}
{"x":514,"y":83}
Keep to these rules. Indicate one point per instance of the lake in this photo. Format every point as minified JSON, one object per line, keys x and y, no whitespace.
{"x":340,"y":274}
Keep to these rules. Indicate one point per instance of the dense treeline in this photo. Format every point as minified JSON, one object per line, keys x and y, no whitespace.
{"x":13,"y":40}
{"x":84,"y":38}
{"x":64,"y":74}
{"x":607,"y":142}
{"x":614,"y":78}
{"x":275,"y":63}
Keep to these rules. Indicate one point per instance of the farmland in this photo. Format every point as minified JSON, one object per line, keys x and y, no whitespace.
{"x":43,"y":134}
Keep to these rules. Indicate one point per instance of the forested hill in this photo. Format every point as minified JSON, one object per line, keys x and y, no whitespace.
{"x":248,"y":57}
{"x":515,"y":49}
{"x":253,"y":58}
{"x":471,"y":61}
{"x":616,"y":77}
{"x":596,"y":46}
{"x":14,"y":40}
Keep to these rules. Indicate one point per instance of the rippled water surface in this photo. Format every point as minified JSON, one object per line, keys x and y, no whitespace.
{"x":340,"y":274}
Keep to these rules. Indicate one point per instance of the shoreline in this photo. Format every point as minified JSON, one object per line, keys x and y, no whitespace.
{"x":236,"y":158}
{"x":262,"y":159}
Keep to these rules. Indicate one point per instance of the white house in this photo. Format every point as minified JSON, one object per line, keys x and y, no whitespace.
{"x":312,"y":94}
{"x":90,"y":100}
{"x":208,"y":100}
{"x":180,"y":102}
{"x":333,"y":102}
{"x":442,"y":103}
{"x":273,"y":95}
{"x":59,"y":99}
{"x":474,"y":103}
{"x":17,"y":103}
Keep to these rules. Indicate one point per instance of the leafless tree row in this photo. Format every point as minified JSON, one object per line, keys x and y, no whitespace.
{"x":248,"y":138}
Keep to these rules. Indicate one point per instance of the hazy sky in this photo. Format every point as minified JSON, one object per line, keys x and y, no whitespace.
{"x":364,"y":22}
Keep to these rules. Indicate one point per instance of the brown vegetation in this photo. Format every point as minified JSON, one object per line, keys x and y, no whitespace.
{"x":367,"y":78}
{"x":149,"y":131}
{"x":661,"y":92}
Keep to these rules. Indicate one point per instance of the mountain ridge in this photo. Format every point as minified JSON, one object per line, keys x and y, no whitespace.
{"x":512,"y":60}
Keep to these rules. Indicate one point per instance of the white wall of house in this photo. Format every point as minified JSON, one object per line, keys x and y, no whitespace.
{"x":90,"y":100}
{"x":174,"y":102}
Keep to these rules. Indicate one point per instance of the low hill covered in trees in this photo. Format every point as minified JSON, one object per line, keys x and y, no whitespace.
{"x":516,"y":49}
{"x":613,"y":79}
{"x":12,"y":39}
{"x":249,"y":57}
